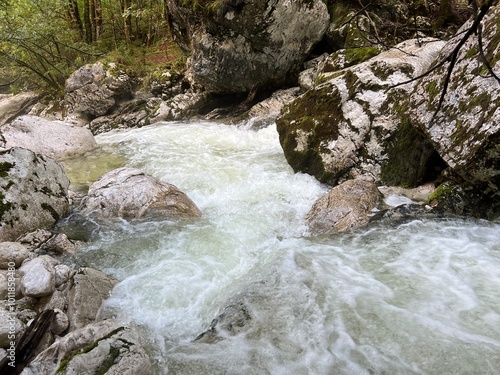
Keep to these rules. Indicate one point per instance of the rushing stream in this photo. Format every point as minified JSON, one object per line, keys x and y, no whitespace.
{"x":420,"y":297}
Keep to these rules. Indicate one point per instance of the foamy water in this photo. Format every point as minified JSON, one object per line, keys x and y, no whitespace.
{"x":416,"y":298}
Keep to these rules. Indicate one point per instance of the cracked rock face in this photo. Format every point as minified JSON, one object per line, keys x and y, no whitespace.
{"x":352,"y":123}
{"x":93,"y":90}
{"x":33,"y":192}
{"x":466,"y":130}
{"x":242,"y":43}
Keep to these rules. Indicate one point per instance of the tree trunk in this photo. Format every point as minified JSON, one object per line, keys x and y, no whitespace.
{"x":73,"y":16}
{"x":87,"y":22}
{"x":97,"y":19}
{"x":127,"y":19}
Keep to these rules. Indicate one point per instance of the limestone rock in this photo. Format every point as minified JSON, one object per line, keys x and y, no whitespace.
{"x":129,"y":193}
{"x":62,"y":274}
{"x":241,"y":44}
{"x":106,"y":347}
{"x":347,"y":125}
{"x":33,"y":192}
{"x":346,"y":206}
{"x":179,"y":107}
{"x":59,"y":244}
{"x":85,"y":296}
{"x":38,"y":277}
{"x":466,"y":129}
{"x":60,"y":323}
{"x":12,"y":106}
{"x":12,"y":252}
{"x":94,"y":89}
{"x":55,"y":139}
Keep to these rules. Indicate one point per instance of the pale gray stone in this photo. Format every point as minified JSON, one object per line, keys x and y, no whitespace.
{"x":10,"y":328}
{"x":38,"y":277}
{"x":130,"y":193}
{"x":34,"y":192}
{"x":12,"y":252}
{"x":55,"y":139}
{"x":13,"y":105}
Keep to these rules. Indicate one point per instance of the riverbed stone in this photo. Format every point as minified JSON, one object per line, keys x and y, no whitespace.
{"x":9,"y":324}
{"x":12,"y":252}
{"x":106,"y":347}
{"x":131,"y":194}
{"x":89,"y":288}
{"x":55,"y":139}
{"x":33,"y":192}
{"x":346,"y":206}
{"x":38,"y":277}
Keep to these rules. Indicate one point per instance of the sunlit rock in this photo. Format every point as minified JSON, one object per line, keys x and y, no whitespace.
{"x":12,"y":105}
{"x":38,"y":277}
{"x":55,"y":139}
{"x":131,"y":194}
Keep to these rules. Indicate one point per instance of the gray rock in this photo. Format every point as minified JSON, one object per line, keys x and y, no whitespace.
{"x":346,"y":126}
{"x":59,"y":244}
{"x":55,"y":139}
{"x":12,"y":105}
{"x":89,"y":288}
{"x":12,"y":252}
{"x":243,"y":44}
{"x":60,"y":323}
{"x":93,"y":90}
{"x":131,"y":194}
{"x":33,"y":192}
{"x":62,"y":274}
{"x":38,"y":277}
{"x":346,"y":206}
{"x":179,"y":107}
{"x":106,"y":347}
{"x":466,"y":130}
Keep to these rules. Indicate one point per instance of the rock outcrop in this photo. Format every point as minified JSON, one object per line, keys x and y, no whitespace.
{"x":466,"y":128}
{"x":346,"y":125}
{"x":33,"y":192}
{"x":93,"y":90}
{"x":55,"y":139}
{"x":237,"y":45}
{"x":131,"y":194}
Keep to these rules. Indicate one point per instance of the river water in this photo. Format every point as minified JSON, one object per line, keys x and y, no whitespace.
{"x":416,"y":297}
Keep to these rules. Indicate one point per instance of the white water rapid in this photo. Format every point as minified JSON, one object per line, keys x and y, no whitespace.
{"x":421,"y":297}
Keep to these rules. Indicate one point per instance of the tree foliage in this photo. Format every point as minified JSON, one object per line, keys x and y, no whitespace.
{"x":43,"y":41}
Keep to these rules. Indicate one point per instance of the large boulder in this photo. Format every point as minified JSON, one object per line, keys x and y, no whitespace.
{"x":33,"y":192}
{"x":348,"y":205}
{"x":466,"y":128}
{"x":106,"y":347}
{"x":131,"y":194}
{"x":93,"y":90}
{"x":348,"y":123}
{"x":55,"y":139}
{"x":12,"y":106}
{"x":238,"y":44}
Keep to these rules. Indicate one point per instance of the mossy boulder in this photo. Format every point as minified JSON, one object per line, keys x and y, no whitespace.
{"x":354,"y":123}
{"x":465,"y":130}
{"x":33,"y":192}
{"x":236,"y":45}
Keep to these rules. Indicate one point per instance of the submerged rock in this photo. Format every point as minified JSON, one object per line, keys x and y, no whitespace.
{"x":347,"y":125}
{"x":33,"y":192}
{"x":346,"y":206}
{"x":236,"y":45}
{"x":55,"y":139}
{"x":131,"y":194}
